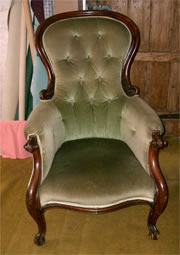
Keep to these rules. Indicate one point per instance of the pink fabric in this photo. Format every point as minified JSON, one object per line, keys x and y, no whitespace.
{"x":12,"y":140}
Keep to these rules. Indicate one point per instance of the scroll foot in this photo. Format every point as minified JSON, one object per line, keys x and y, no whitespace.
{"x":39,"y":239}
{"x":153,"y":232}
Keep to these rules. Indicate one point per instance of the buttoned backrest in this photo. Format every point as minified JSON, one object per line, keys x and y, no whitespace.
{"x":87,"y":54}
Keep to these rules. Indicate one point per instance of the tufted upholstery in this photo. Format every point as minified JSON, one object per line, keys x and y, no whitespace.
{"x":87,"y":55}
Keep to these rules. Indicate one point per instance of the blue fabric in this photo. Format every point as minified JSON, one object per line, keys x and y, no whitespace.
{"x":40,"y":77}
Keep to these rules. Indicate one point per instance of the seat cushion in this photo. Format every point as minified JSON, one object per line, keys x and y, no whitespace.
{"x":95,"y":173}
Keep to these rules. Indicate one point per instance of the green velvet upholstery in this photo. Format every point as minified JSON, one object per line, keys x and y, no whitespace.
{"x":45,"y":122}
{"x":106,"y":133}
{"x":138,"y":122}
{"x":87,"y":55}
{"x":94,"y":173}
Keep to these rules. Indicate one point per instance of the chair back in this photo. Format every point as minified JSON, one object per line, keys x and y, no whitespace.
{"x":85,"y":54}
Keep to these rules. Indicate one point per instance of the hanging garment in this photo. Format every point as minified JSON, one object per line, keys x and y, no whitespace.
{"x":48,"y":8}
{"x":38,"y":9}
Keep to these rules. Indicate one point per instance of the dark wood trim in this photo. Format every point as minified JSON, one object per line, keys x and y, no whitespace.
{"x":161,"y":195}
{"x":32,"y":195}
{"x":126,"y":83}
{"x":99,"y":210}
{"x":169,"y":116}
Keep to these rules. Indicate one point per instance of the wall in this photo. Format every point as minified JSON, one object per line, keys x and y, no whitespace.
{"x":65,"y":6}
{"x":157,"y":65}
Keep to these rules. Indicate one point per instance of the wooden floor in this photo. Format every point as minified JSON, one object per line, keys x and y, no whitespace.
{"x":121,"y":232}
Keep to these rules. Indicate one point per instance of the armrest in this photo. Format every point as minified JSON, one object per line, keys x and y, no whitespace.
{"x":45,"y":122}
{"x":139,"y":120}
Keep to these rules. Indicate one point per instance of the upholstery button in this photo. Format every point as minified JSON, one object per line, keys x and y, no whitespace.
{"x":109,"y":99}
{"x":89,"y":58}
{"x":81,"y":81}
{"x":72,"y":101}
{"x":100,"y":78}
{"x":133,"y":131}
{"x":108,"y":56}
{"x":99,"y":36}
{"x":76,"y":36}
{"x":91,"y":100}
{"x":68,"y":59}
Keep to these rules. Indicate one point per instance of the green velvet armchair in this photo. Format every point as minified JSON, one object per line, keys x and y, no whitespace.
{"x":94,"y":141}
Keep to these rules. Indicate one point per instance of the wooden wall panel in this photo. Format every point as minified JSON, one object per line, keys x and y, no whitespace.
{"x":139,"y":11}
{"x":174,"y":88}
{"x":139,"y":77}
{"x":162,"y":24}
{"x":156,"y":69}
{"x":158,"y":85}
{"x":172,"y":127}
{"x":120,"y":6}
{"x":176,"y":28}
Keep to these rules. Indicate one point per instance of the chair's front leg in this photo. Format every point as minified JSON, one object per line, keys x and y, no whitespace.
{"x":161,"y":195}
{"x":32,"y":195}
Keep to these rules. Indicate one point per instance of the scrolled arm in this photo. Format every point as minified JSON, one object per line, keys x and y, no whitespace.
{"x":46,"y":124}
{"x":139,"y":121}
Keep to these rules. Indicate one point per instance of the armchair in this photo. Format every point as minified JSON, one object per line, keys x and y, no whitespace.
{"x":94,"y":141}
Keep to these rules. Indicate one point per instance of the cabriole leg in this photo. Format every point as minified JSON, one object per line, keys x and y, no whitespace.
{"x":38,"y":216}
{"x":32,"y":195}
{"x":153,"y":231}
{"x":161,"y":196}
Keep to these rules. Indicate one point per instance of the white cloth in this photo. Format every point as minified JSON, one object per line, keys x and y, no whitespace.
{"x":11,"y":85}
{"x":4,"y":7}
